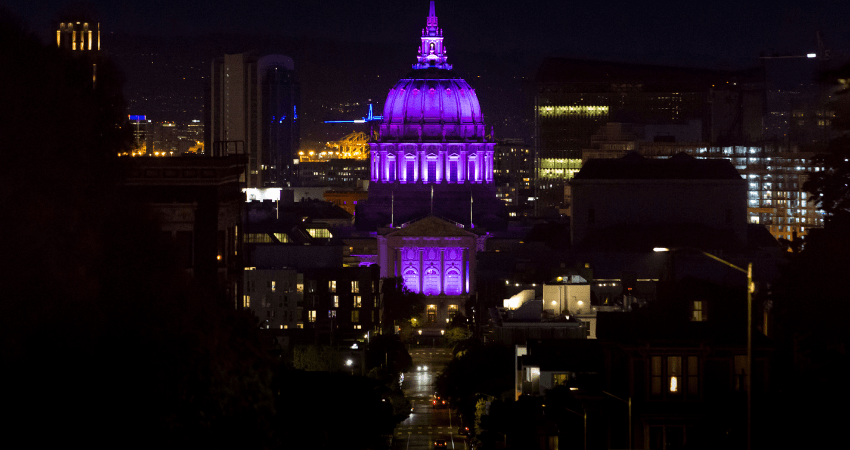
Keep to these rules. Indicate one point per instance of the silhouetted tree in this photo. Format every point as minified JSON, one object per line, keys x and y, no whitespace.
{"x":811,"y":307}
{"x":400,"y":304}
{"x":102,"y":338}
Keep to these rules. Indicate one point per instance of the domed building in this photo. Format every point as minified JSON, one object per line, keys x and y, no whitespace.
{"x":432,"y":155}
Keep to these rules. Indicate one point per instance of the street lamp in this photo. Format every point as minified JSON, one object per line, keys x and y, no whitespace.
{"x":749,"y":365}
{"x":628,"y":402}
{"x":584,"y":422}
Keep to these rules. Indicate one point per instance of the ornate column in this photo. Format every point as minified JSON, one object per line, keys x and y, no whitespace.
{"x":421,"y":277}
{"x":384,"y":167}
{"x":417,"y":157}
{"x":399,"y":162}
{"x":461,"y":165}
{"x":442,"y":270}
{"x":488,"y":173}
{"x":463,"y":254}
{"x":423,"y":167}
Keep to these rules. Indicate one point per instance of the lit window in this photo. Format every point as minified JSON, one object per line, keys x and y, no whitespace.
{"x":452,"y":312}
{"x":283,"y":238}
{"x":693,"y":375}
{"x":355,"y":287}
{"x":332,"y":286}
{"x":311,"y":315}
{"x":559,"y":379}
{"x":336,"y":301}
{"x":273,"y":286}
{"x":299,"y":325}
{"x":357,"y":301}
{"x":698,"y":310}
{"x":320,"y":233}
{"x":357,"y":327}
{"x":674,"y":374}
{"x":655,"y":375}
{"x":740,"y":367}
{"x":246,"y":301}
{"x":355,"y":316}
{"x":257,"y":238}
{"x":332,"y":313}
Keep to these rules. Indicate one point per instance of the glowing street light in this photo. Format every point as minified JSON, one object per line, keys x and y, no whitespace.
{"x":750,"y":289}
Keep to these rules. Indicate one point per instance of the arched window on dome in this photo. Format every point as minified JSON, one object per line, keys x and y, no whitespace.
{"x":411,"y":279}
{"x":376,"y":166}
{"x":409,"y":169}
{"x":391,"y":169}
{"x":431,"y":285}
{"x":453,"y":285}
{"x":432,"y":169}
{"x":452,"y":172}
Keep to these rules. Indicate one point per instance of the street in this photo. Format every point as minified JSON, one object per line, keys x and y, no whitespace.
{"x":427,"y":424}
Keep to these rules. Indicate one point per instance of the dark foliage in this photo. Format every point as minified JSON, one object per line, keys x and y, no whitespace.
{"x":811,"y":305}
{"x":323,"y":410}
{"x":400,"y":305}
{"x":387,"y":350}
{"x":103,"y":339}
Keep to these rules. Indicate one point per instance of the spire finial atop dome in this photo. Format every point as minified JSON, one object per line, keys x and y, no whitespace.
{"x":432,"y":52}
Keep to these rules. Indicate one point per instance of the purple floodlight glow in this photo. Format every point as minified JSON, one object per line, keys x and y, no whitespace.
{"x":440,"y":268}
{"x":425,"y":118}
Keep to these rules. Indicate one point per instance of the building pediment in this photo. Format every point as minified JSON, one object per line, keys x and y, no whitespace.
{"x":432,"y":226}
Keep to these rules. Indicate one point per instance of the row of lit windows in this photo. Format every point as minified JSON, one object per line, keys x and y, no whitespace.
{"x":552,"y":111}
{"x":669,"y":377}
{"x":266,"y":238}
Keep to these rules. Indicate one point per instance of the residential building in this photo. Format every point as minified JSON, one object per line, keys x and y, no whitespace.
{"x":513,"y":172}
{"x":198,"y":203}
{"x":615,"y":199}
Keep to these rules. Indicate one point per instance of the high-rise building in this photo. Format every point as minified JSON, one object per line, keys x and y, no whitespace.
{"x":253,"y":110}
{"x":575,"y":99}
{"x":513,"y":172}
{"x":80,"y":36}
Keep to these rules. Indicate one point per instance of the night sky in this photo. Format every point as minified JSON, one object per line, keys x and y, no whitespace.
{"x":728,"y":33}
{"x":352,"y":52}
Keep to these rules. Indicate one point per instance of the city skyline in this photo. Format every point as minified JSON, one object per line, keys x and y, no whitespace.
{"x":725,"y":34}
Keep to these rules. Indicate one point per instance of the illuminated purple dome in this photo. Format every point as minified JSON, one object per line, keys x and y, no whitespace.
{"x":431,"y":103}
{"x":433,"y":155}
{"x":432,"y":106}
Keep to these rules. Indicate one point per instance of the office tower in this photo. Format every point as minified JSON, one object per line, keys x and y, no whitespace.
{"x":253,"y":110}
{"x":81,"y":37}
{"x":575,"y":99}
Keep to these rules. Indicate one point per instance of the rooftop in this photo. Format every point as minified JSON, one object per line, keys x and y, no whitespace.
{"x":679,"y":167}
